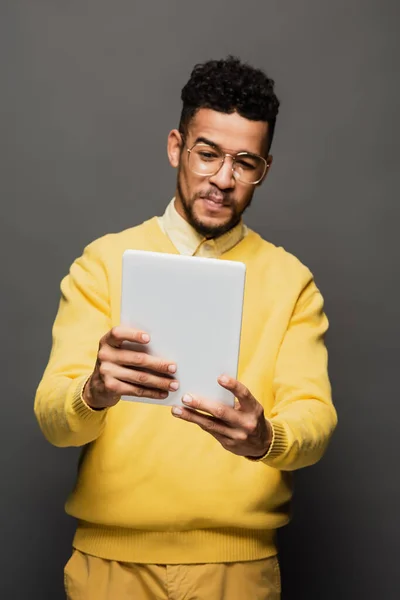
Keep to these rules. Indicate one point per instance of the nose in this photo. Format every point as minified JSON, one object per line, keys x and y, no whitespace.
{"x":224,"y":178}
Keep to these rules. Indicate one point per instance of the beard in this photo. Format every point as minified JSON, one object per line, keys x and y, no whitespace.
{"x":204,"y":229}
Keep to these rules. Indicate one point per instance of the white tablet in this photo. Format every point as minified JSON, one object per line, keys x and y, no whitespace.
{"x":192,"y":309}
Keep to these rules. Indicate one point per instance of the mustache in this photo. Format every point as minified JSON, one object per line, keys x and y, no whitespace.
{"x":216,"y":194}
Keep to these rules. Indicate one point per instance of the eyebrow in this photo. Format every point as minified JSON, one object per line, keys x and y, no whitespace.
{"x":204,"y":140}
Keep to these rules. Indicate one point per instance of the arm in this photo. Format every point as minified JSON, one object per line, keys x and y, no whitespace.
{"x":89,"y":368}
{"x":303,"y":417}
{"x":83,"y":317}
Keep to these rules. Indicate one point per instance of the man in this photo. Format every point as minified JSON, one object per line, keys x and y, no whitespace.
{"x":185,"y":504}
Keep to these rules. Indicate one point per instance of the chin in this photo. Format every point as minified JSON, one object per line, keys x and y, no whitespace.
{"x":219,"y":217}
{"x":211,"y":226}
{"x":212,"y":221}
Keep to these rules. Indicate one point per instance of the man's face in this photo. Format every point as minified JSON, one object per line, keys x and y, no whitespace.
{"x":214,"y":204}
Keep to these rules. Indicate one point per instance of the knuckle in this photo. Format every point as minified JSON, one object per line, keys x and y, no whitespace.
{"x":142,"y":377}
{"x":140,"y":358}
{"x":251,"y":426}
{"x":188,"y":415}
{"x":220,"y":411}
{"x":241,"y":436}
{"x":246,"y":393}
{"x":110,"y":384}
{"x":102,"y":354}
{"x":115,"y":331}
{"x":103,"y":369}
{"x":164,"y":384}
{"x":210,"y":425}
{"x":139,"y":392}
{"x":229,"y":443}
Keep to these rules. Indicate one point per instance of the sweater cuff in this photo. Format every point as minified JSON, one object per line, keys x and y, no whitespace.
{"x":278,"y":443}
{"x":77,"y":409}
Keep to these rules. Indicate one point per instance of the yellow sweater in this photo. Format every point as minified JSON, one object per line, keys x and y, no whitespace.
{"x":155,"y":489}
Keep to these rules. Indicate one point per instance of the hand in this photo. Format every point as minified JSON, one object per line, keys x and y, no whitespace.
{"x":119,"y":371}
{"x":242,"y":429}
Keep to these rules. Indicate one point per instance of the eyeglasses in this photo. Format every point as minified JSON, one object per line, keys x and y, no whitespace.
{"x":207,"y":160}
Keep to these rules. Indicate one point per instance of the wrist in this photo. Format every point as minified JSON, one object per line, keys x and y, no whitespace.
{"x":268,"y":443}
{"x":87,"y":396}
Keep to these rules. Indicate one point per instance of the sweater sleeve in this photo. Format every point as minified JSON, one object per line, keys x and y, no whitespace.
{"x":83,"y":318}
{"x":303,"y":417}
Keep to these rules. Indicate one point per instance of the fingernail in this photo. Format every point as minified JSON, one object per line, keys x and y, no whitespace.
{"x":177,"y":411}
{"x":172,"y":368}
{"x":223,"y":379}
{"x":187,"y":399}
{"x":174,"y":386}
{"x":145,"y":337}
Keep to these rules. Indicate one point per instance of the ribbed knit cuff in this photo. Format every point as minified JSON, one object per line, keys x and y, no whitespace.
{"x":278,"y":443}
{"x":80,"y":411}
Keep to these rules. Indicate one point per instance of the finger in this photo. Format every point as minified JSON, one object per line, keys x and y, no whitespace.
{"x":117,"y":335}
{"x":154,"y":363}
{"x":220,"y":411}
{"x":122,"y":388}
{"x":242,"y":393}
{"x":137,"y":377}
{"x":226,"y":442}
{"x":209,"y":424}
{"x":132,"y":358}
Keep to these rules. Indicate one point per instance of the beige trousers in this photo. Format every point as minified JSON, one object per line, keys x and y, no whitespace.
{"x":90,"y":578}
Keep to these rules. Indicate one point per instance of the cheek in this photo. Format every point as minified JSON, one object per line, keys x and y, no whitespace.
{"x":243,"y":197}
{"x":185,"y":176}
{"x":190,"y":183}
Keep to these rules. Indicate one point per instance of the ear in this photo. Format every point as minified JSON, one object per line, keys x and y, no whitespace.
{"x":174,"y":146}
{"x":269,"y":160}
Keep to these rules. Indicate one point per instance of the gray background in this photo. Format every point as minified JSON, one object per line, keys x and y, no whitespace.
{"x":89,"y":92}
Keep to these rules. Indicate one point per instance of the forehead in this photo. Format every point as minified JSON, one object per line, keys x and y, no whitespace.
{"x":231,"y":132}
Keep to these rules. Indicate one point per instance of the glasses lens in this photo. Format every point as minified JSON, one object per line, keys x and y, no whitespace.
{"x":249,"y":168}
{"x":207,"y":160}
{"x":204,"y":159}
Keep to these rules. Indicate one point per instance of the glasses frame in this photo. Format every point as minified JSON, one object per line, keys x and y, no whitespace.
{"x":233,"y":157}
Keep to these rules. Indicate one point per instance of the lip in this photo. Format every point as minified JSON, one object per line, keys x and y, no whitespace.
{"x":213,"y":205}
{"x":219,"y":201}
{"x":215,"y":199}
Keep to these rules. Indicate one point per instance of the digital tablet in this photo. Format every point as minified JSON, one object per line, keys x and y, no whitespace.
{"x":192,"y":309}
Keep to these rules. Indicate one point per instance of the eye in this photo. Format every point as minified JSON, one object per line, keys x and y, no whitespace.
{"x":207,"y":155}
{"x":245,"y":164}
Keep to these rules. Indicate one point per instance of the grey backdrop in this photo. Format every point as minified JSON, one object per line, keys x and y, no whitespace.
{"x":89,"y":92}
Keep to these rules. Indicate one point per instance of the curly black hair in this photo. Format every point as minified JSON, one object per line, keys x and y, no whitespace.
{"x":227,"y":86}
